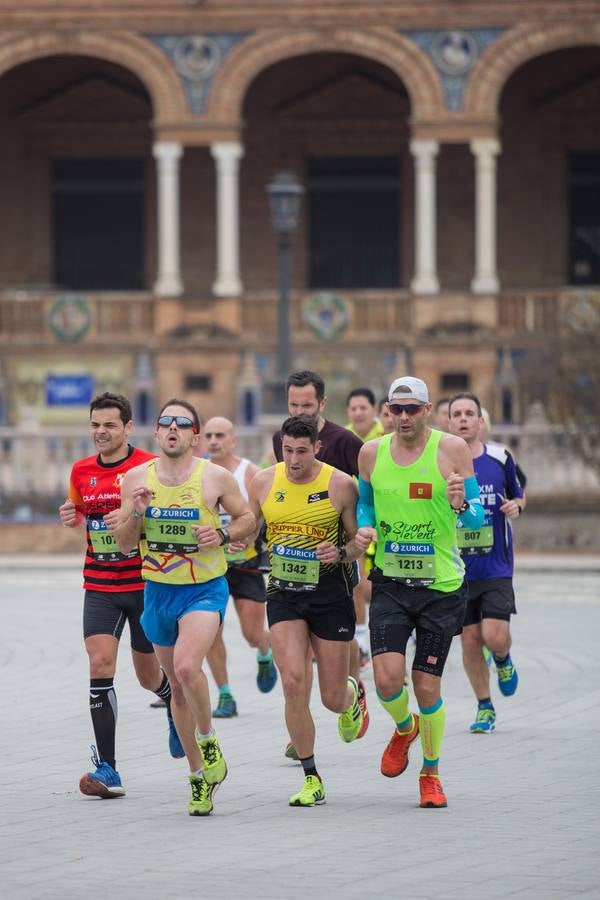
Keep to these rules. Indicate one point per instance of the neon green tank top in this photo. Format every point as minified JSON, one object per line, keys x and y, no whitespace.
{"x":168,"y":547}
{"x":416,"y":526}
{"x":299,"y":517}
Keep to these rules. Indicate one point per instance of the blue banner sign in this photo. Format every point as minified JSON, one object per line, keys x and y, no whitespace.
{"x":69,"y":390}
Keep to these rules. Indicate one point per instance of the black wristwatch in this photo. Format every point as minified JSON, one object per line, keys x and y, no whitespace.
{"x":224,"y":534}
{"x":461,"y":509}
{"x":343,"y":554}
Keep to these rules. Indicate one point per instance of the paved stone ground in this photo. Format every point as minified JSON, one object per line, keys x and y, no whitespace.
{"x":524,"y":802}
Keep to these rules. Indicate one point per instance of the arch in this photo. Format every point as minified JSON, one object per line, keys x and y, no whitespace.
{"x":134,"y":53}
{"x":512,"y":50}
{"x":391,"y":49}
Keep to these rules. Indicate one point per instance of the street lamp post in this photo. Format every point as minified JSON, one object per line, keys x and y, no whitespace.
{"x":285,"y":195}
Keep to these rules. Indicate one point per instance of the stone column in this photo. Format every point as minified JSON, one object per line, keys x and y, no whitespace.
{"x":227,"y":155}
{"x":425,"y":279}
{"x":167,"y":156}
{"x":485,"y":278}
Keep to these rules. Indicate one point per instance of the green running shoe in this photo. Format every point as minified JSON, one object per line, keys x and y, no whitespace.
{"x":226,"y":707}
{"x":350,"y":722}
{"x":485,"y":720}
{"x":201,"y":803}
{"x":214,"y":767}
{"x":290,"y":752}
{"x":311,"y":794}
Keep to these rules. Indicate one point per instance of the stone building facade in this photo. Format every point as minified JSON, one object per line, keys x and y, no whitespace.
{"x":450,"y":155}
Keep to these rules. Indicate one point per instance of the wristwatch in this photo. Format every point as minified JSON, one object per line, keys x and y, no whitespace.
{"x":461,"y":509}
{"x":137,"y":515}
{"x":343,"y":554}
{"x":224,"y":535}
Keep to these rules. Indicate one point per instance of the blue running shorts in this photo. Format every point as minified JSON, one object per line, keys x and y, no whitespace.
{"x":166,"y":604}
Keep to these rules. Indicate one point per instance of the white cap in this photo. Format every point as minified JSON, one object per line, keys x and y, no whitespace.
{"x":409,"y":388}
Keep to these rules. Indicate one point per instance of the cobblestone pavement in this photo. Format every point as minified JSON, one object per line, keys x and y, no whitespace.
{"x":522,"y":819}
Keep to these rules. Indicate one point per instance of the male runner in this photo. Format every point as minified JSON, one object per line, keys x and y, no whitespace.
{"x":385,"y":417}
{"x":113,"y":586}
{"x":488,"y":556}
{"x":309,"y":510}
{"x":244,"y":577}
{"x":339,"y":448}
{"x":170,"y":508}
{"x":361,"y":410}
{"x":439,"y":417}
{"x":413,"y":484}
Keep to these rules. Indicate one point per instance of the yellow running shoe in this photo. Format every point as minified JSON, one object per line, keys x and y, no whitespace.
{"x":350,"y":722}
{"x":311,"y":794}
{"x":201,"y":803}
{"x":214,"y":767}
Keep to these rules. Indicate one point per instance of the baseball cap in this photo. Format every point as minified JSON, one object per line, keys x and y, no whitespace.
{"x":410,"y":389}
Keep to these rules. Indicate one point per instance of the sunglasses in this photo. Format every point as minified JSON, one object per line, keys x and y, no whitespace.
{"x":411,"y":409}
{"x":180,"y":421}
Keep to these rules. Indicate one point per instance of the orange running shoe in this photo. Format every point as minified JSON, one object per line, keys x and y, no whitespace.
{"x":395,"y":756}
{"x":432,"y":794}
{"x":362,"y":702}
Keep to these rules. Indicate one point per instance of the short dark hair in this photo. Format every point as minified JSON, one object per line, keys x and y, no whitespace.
{"x":382,"y":403}
{"x":174,"y":401}
{"x":465,"y":395}
{"x":301,"y":426}
{"x":361,"y":392}
{"x":302,"y":379}
{"x":440,"y":402}
{"x":110,"y":401}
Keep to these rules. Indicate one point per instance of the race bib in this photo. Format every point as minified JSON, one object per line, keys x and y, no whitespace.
{"x":411,"y":563}
{"x":104,"y":546}
{"x":475,"y":543}
{"x":294,"y":568}
{"x":169,"y":529}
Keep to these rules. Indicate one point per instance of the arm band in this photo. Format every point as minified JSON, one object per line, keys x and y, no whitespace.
{"x":474,"y":516}
{"x":365,"y":509}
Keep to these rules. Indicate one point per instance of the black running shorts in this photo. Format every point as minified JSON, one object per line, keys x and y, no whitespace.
{"x":493,"y":598}
{"x":393,"y":603}
{"x":329,"y":615}
{"x":105,"y":612}
{"x":246,"y":585}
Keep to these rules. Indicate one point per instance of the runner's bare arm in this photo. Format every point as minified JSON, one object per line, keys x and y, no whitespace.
{"x":343,"y":494}
{"x":230,"y":498}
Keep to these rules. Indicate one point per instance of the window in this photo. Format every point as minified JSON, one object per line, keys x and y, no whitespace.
{"x":454,"y":382}
{"x":354,"y":222}
{"x":98,"y":212}
{"x":584,"y":190}
{"x":198,"y":382}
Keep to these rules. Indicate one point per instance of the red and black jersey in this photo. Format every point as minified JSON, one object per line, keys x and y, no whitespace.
{"x":95,"y":489}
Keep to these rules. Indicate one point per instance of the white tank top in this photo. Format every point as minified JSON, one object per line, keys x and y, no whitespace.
{"x":240,"y":476}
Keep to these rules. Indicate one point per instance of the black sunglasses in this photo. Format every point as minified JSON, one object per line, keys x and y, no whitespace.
{"x":411,"y":409}
{"x":180,"y":421}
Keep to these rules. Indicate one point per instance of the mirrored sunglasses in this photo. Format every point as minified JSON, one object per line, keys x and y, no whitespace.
{"x":180,"y":421}
{"x":411,"y":409}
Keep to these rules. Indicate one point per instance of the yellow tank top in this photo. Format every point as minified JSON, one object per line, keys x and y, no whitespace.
{"x":168,"y":547}
{"x":299,"y":517}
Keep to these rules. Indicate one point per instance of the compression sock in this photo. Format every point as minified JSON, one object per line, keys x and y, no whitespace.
{"x":103,"y":709}
{"x":431,"y":728}
{"x":397,"y":708}
{"x":164,"y":692}
{"x":308,"y":764}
